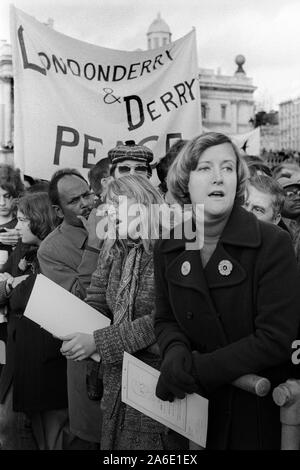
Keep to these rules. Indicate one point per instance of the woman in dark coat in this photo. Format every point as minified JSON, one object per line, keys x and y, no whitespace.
{"x":9,"y":191}
{"x":35,"y":369}
{"x":228,"y":304}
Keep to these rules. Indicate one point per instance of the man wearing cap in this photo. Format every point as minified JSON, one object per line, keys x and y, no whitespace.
{"x":291,"y":209}
{"x":286,"y":170}
{"x":130,"y":159}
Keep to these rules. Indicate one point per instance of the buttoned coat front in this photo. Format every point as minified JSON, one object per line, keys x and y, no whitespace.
{"x":242,"y":319}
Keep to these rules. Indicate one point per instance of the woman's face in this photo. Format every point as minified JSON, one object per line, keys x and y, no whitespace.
{"x":128,"y":218}
{"x":23,"y":226}
{"x":6,"y":202}
{"x":214,"y":181}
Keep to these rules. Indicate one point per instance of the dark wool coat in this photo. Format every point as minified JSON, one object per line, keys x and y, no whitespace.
{"x":11,"y":267}
{"x":241,"y":323}
{"x":34,"y":362}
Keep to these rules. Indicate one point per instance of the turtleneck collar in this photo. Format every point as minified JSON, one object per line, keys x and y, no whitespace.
{"x":214,"y":227}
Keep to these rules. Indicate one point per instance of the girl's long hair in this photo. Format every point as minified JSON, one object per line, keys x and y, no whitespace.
{"x":140,"y":191}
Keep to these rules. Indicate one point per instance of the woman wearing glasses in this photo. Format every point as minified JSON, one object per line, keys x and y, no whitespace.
{"x":228,"y":304}
{"x":130,"y":159}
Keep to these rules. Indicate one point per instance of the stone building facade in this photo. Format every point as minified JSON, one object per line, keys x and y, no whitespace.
{"x":289,"y":124}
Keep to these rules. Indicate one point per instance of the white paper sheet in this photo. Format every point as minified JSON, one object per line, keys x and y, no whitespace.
{"x":60,"y":312}
{"x":188,"y":417}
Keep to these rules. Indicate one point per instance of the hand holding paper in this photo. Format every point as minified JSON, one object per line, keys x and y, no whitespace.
{"x":78,"y":346}
{"x":10,"y":237}
{"x":17,"y":280}
{"x":62,"y":313}
{"x":176,"y":378}
{"x":188,"y":417}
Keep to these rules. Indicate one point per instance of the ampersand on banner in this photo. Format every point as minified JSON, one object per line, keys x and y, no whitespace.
{"x":109,"y":93}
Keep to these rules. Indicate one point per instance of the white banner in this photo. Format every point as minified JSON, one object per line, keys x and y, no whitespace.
{"x":74,"y":101}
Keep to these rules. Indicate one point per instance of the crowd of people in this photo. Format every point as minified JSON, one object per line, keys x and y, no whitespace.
{"x":209,"y":306}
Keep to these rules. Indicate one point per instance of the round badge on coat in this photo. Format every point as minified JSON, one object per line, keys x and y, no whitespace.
{"x":225,"y":267}
{"x":185,"y":268}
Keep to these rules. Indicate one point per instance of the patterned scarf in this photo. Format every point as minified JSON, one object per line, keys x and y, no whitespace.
{"x":128,"y":287}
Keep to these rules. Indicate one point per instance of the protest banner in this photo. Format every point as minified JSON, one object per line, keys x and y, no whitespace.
{"x":74,"y":101}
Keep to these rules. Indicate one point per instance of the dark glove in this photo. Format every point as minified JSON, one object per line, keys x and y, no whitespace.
{"x":194,"y":372}
{"x":175,"y":378}
{"x":166,"y":391}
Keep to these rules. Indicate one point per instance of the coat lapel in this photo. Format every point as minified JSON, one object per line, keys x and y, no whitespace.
{"x":216,"y":276}
{"x":190,"y":260}
{"x":242,"y":230}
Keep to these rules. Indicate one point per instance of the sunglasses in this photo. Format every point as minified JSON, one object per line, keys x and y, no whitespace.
{"x":292,"y":193}
{"x":138,"y":169}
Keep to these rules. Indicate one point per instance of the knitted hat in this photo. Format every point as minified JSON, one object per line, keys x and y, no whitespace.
{"x":130,"y":151}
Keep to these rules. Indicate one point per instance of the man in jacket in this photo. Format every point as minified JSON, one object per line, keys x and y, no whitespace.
{"x":67,"y":258}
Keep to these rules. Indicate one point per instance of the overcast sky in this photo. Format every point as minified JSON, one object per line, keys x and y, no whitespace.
{"x":266,"y":32}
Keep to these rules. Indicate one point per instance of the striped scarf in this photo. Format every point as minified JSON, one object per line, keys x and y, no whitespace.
{"x":128,"y":287}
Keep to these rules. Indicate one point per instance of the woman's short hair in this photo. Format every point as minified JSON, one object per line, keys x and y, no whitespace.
{"x":165,"y":162}
{"x":38,"y":209}
{"x":142,"y":192}
{"x":11,"y":189}
{"x":187,"y":161}
{"x":11,"y":176}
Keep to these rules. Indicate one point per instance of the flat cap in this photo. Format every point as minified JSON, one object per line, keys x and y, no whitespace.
{"x":130,"y":151}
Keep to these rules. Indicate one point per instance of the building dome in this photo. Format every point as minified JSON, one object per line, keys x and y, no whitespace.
{"x":159,"y":26}
{"x":158,"y":34}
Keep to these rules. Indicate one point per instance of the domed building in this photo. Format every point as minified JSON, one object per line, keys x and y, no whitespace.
{"x":159,"y":33}
{"x":227,"y":102}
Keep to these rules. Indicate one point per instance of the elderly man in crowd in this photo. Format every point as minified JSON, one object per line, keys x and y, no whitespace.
{"x":264,"y":198}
